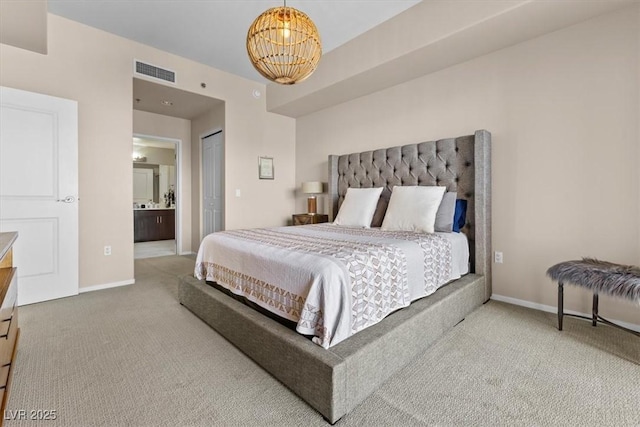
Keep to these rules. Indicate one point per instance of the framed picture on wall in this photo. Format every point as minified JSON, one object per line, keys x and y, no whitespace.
{"x":265,"y":167}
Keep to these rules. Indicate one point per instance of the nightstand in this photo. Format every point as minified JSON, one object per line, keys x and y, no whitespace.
{"x":304,"y":219}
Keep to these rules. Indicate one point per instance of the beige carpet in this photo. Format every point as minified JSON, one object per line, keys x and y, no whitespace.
{"x":132,"y":356}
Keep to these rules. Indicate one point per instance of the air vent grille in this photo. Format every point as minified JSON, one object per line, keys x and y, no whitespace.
{"x":155,"y":72}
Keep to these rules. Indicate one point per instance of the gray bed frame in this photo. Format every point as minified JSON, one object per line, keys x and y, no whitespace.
{"x":336,"y":380}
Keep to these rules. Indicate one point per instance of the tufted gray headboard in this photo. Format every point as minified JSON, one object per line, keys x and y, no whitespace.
{"x":462,"y":164}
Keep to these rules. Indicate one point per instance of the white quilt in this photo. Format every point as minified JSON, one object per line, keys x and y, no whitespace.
{"x":333,"y":281}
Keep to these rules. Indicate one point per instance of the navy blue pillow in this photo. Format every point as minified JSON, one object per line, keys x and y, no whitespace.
{"x":460,"y":216}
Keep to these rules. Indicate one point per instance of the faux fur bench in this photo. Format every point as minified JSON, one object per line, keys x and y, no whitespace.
{"x":600,"y":277}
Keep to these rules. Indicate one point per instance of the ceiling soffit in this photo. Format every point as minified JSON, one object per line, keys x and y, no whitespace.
{"x":354,"y":69}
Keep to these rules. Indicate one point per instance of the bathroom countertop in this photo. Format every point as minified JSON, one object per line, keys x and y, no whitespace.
{"x":154,"y":209}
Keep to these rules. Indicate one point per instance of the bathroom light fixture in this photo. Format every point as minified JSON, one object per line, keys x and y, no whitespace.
{"x":284,"y":45}
{"x":312,"y":188}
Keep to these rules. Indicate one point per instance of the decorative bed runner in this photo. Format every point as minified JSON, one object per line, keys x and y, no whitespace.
{"x":436,"y":250}
{"x":333,"y":281}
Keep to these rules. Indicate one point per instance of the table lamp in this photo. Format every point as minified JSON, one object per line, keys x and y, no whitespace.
{"x":312,"y":188}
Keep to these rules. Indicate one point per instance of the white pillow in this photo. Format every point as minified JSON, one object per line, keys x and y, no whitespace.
{"x":358,"y":207}
{"x":413,"y":208}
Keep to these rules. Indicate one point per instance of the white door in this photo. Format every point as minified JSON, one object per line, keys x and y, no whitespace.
{"x":213,"y":183}
{"x":142,"y":185}
{"x":39,"y":191}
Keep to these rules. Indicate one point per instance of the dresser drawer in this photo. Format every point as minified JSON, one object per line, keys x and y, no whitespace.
{"x":4,"y":377}
{"x":9,"y":320}
{"x":8,"y":336}
{"x":5,"y":381}
{"x":10,"y":298}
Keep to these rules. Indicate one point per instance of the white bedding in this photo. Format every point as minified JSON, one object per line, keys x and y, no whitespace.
{"x":332,"y":281}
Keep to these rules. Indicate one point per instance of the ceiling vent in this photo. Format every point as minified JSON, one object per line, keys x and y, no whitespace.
{"x":155,"y":72}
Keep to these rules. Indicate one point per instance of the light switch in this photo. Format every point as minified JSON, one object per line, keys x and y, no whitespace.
{"x":237,"y":192}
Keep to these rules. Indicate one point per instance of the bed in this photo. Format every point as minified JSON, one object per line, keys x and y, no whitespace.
{"x":331,"y":281}
{"x":336,"y":378}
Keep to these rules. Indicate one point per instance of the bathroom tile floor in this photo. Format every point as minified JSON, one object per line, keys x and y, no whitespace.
{"x":154,"y":249}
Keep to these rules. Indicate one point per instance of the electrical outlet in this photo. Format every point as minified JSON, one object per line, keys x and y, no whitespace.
{"x":107,"y":250}
{"x":497,"y":257}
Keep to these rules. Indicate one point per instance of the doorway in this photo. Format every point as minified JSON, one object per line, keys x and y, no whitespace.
{"x":164,"y":110}
{"x":156,"y":196}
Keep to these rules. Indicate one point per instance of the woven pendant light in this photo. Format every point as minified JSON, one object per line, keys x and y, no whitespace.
{"x":284,"y":45}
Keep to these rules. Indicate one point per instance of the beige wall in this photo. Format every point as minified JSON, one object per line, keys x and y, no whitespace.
{"x":24,"y":24}
{"x":150,"y":124}
{"x":95,"y":68}
{"x":263,"y":203}
{"x":563,"y":111}
{"x":279,"y":143}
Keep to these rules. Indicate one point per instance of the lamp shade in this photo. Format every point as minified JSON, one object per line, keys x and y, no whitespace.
{"x":313,"y":187}
{"x":284,"y":45}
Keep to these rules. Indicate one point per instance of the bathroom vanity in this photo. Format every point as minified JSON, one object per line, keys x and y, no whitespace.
{"x":150,"y":224}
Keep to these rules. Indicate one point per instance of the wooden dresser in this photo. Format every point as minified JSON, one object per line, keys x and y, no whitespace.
{"x":9,"y":330}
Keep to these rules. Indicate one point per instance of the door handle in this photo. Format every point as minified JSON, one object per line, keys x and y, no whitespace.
{"x":68,"y":199}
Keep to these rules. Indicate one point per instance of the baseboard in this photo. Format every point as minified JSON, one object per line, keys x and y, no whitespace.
{"x":186,"y":253}
{"x":553,"y":309}
{"x":106,"y":286}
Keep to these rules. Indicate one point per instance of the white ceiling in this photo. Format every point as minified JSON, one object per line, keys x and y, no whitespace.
{"x":214,"y":32}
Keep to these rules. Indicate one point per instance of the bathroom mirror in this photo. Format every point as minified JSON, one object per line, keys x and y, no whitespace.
{"x":154,"y":171}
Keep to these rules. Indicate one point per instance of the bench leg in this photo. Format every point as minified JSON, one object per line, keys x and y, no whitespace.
{"x":560,"y":304}
{"x":594,"y":310}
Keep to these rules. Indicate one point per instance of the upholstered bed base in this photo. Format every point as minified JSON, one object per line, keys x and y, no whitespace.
{"x":335,"y":380}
